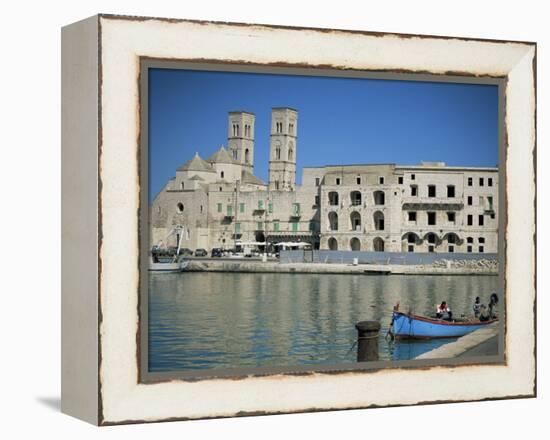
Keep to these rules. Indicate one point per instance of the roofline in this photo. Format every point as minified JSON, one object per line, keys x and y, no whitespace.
{"x":409,"y":167}
{"x":284,"y":108}
{"x":241,"y":111}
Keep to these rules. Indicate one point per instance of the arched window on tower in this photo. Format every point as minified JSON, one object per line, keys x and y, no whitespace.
{"x":278,"y":153}
{"x":290,"y":154}
{"x":246,"y":156}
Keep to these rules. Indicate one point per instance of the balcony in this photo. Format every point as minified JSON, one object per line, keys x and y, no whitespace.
{"x":432,"y":204}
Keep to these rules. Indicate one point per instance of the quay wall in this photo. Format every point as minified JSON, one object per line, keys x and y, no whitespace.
{"x":365,"y":257}
{"x":256,"y":266}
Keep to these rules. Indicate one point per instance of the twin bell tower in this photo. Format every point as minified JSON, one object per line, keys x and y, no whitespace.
{"x":282,"y":145}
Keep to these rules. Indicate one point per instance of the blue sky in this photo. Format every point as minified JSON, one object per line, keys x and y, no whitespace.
{"x":340,"y":120}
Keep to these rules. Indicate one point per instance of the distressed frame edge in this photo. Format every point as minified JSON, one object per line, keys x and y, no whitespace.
{"x":104,"y":422}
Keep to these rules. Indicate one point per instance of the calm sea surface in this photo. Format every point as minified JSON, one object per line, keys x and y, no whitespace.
{"x":200,"y":320}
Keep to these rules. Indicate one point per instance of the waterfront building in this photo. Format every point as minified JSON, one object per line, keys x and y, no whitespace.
{"x":218,"y":202}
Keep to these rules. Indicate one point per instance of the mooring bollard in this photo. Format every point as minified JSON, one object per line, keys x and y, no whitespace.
{"x":367,"y":340}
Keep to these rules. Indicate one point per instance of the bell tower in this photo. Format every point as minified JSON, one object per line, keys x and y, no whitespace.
{"x":240,"y":138}
{"x":282,"y":149}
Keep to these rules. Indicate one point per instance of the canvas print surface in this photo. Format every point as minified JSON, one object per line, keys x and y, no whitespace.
{"x":305,"y":221}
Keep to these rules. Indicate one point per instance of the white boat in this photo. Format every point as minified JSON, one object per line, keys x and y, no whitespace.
{"x":175,"y":266}
{"x":172,"y":264}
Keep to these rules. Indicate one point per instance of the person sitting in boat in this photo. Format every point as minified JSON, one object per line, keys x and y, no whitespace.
{"x":477,"y":307}
{"x":484,"y":314}
{"x":444,"y":312}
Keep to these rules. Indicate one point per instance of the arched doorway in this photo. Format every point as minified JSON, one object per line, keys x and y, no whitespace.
{"x":355,"y":220}
{"x":355,"y":244}
{"x":378,"y":218}
{"x":332,"y":244}
{"x":378,"y":244}
{"x":379,"y":198}
{"x":333,"y":221}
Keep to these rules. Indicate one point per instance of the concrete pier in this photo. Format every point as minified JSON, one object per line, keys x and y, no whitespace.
{"x":482,"y":342}
{"x":259,"y":266}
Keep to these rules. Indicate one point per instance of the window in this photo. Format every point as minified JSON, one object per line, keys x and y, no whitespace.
{"x":412,"y":216}
{"x":379,"y":198}
{"x":355,"y":197}
{"x":490,"y":181}
{"x":410,"y":248}
{"x":358,"y":180}
{"x":296,"y":208}
{"x":278,"y":153}
{"x":333,"y":198}
{"x":451,"y":249}
{"x":182,"y":185}
{"x":481,"y":249}
{"x":270,"y":208}
{"x":470,"y":200}
{"x":431,"y":238}
{"x":492,"y":216}
{"x":381,"y":180}
{"x":379,"y":221}
{"x":470,"y":181}
{"x":237,"y":228}
{"x":490,"y":202}
{"x":469,"y":248}
{"x":431,"y":218}
{"x":481,"y":239}
{"x":431,"y":190}
{"x":220,"y":189}
{"x":411,"y":238}
{"x":413,"y":177}
{"x":337,"y":181}
{"x":229,"y":210}
{"x":451,"y":217}
{"x":481,"y":181}
{"x":241,"y":208}
{"x":450,"y":191}
{"x":222,"y":174}
{"x":312,"y":226}
{"x":470,"y":219}
{"x":317,"y":181}
{"x":180,"y":207}
{"x":276,"y":226}
{"x":430,"y":248}
{"x":316,"y":201}
{"x":201,"y":209}
{"x":260,"y":204}
{"x":470,"y":240}
{"x":219,"y":207}
{"x":259,"y":226}
{"x":400,"y":180}
{"x":451,"y":238}
{"x":414,"y":190}
{"x":480,"y":220}
{"x":294,"y":226}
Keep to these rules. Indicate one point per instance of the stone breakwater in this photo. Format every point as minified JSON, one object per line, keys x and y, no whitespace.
{"x":255,"y":266}
{"x":482,"y":264}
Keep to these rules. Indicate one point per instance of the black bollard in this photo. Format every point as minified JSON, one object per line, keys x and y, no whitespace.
{"x":367,"y":340}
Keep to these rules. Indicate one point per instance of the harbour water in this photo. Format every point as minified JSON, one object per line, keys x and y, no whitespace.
{"x":201,"y":321}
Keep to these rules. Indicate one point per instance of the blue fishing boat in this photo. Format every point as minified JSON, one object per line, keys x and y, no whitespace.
{"x":410,"y":326}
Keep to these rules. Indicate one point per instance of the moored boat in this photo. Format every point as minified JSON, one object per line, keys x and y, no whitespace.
{"x":411,"y":326}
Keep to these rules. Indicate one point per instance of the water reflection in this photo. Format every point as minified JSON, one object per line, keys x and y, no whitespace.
{"x":225,"y":320}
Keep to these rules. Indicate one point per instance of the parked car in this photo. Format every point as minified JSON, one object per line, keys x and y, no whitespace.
{"x":201,"y":253}
{"x":216,"y":252}
{"x":186,"y":252}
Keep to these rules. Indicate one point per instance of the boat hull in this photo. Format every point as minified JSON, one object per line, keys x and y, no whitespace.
{"x":168,"y":267}
{"x":408,"y":326}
